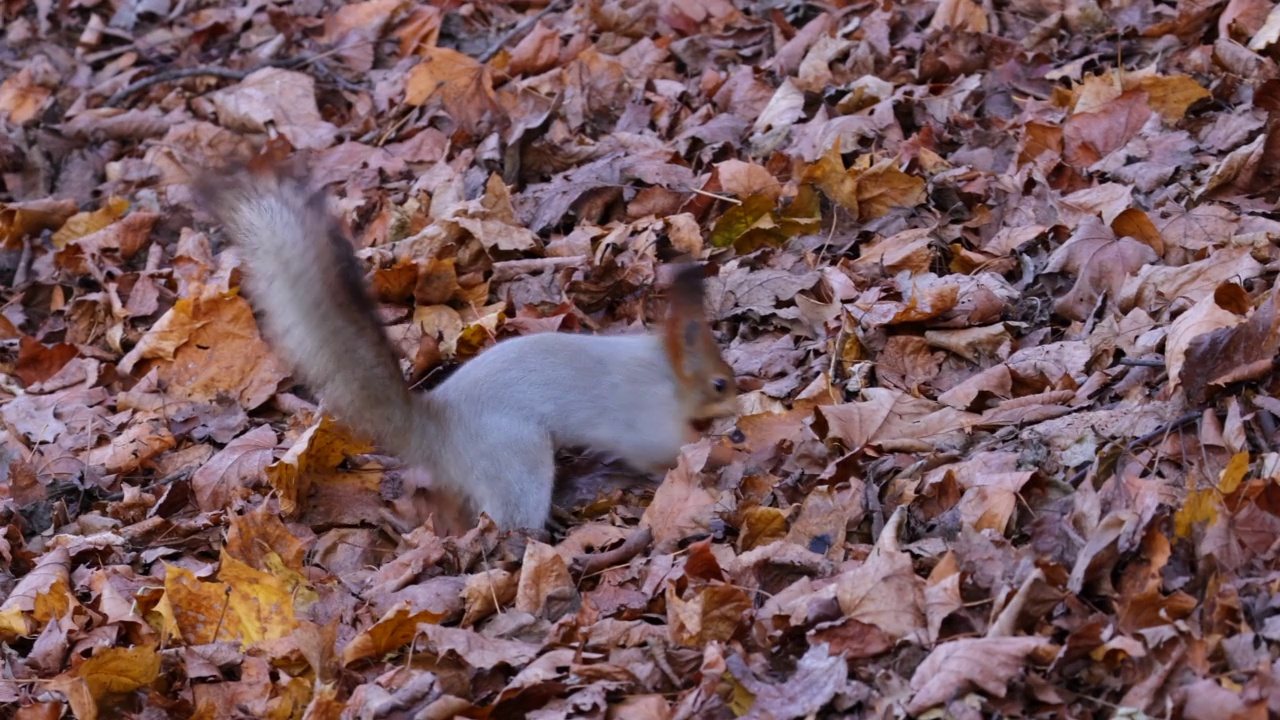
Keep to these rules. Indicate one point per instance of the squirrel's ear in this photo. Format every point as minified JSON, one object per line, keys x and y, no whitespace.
{"x":692,"y":331}
{"x":686,"y":330}
{"x":687,"y":289}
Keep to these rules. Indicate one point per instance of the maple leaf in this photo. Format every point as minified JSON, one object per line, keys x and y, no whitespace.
{"x":868,"y":191}
{"x":954,"y":666}
{"x":110,"y":671}
{"x":244,"y":605}
{"x":462,"y":85}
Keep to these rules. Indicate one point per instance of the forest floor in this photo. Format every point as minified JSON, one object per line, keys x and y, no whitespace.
{"x":997,"y":279}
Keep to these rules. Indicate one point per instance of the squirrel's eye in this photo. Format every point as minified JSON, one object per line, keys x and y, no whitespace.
{"x":720,"y":385}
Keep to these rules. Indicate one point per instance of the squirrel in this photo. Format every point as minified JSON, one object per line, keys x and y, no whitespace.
{"x":489,"y":432}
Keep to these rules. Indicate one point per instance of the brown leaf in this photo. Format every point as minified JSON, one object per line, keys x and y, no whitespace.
{"x":462,"y":85}
{"x":1238,"y":352}
{"x":488,"y":592}
{"x":225,"y":474}
{"x":890,"y":420}
{"x":21,"y":98}
{"x":537,"y":52}
{"x":761,"y":526}
{"x":884,"y":592}
{"x":355,"y":27}
{"x":397,"y":628}
{"x":38,"y":362}
{"x":713,"y":615}
{"x":960,"y":15}
{"x":206,"y":347}
{"x":682,"y":506}
{"x":1136,"y":224}
{"x":825,"y":516}
{"x":476,"y":650}
{"x":1090,"y":136}
{"x":1207,"y":316}
{"x":954,"y":667}
{"x":545,"y":588}
{"x":283,"y":99}
{"x":1101,"y":264}
{"x":127,"y":451}
{"x":818,"y":676}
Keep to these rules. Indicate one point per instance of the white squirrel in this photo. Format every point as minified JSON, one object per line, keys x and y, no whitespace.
{"x":489,"y":432}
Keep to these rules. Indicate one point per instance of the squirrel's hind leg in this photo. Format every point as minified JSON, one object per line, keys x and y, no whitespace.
{"x":517,"y":475}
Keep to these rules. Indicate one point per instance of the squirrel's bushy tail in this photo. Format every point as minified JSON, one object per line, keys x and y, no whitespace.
{"x":303,"y":277}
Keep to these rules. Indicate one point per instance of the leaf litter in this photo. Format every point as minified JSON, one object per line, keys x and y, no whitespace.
{"x":998,"y":282}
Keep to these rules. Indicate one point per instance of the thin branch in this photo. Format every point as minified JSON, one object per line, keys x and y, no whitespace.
{"x":519,"y":29}
{"x":1141,"y":362}
{"x":162,"y":482}
{"x":592,"y":563}
{"x":1144,"y":439}
{"x":171,"y":75}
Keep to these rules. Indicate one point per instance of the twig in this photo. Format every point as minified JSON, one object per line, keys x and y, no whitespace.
{"x":1141,"y":362}
{"x":712,"y":195}
{"x":24,"y":263}
{"x":592,"y":563}
{"x":288,"y":63}
{"x":519,"y":29}
{"x":162,"y":482}
{"x":1144,"y":439}
{"x":511,"y":269}
{"x":169,"y":75}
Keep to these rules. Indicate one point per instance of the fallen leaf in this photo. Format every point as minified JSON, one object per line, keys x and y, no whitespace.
{"x":956,"y":666}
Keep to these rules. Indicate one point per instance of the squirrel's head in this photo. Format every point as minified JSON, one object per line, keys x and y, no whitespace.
{"x":706,"y":380}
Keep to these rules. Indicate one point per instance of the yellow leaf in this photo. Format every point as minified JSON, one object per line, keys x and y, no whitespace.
{"x":317,"y":452}
{"x":868,"y":191}
{"x":1171,"y":96}
{"x":119,"y":670}
{"x":19,"y":220}
{"x":110,"y":671}
{"x":1233,"y":473}
{"x":741,"y":700}
{"x":713,"y":616}
{"x":13,"y":623}
{"x":1200,"y":506}
{"x":324,"y":704}
{"x":244,"y":605}
{"x":761,"y":526}
{"x":259,"y":540}
{"x":292,"y":695}
{"x":42,"y":595}
{"x":833,"y":180}
{"x":395,"y":630}
{"x":85,"y":223}
{"x":884,"y":187}
{"x":803,"y":214}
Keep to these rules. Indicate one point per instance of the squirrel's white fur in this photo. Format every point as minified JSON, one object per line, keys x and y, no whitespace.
{"x":491,"y":429}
